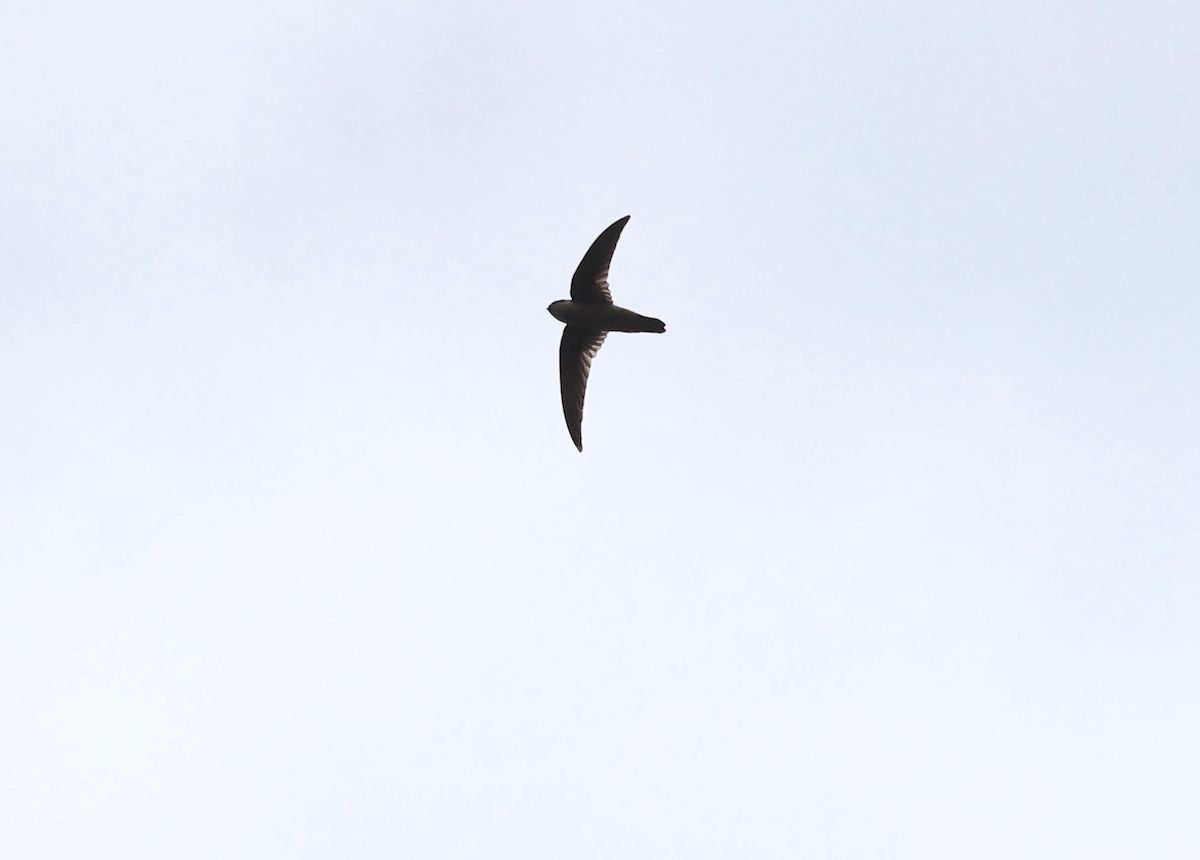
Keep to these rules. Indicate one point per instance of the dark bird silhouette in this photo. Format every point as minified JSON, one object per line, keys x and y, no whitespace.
{"x":590,"y":315}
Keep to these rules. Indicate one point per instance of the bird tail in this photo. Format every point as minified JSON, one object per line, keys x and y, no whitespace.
{"x":627,"y":320}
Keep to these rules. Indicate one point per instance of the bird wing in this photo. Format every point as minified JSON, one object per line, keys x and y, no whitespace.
{"x":579,"y":346}
{"x":590,"y":282}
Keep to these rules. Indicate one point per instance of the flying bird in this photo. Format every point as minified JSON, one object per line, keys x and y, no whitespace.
{"x":590,"y":315}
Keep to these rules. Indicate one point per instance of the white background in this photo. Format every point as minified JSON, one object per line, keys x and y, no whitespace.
{"x":889,"y":547}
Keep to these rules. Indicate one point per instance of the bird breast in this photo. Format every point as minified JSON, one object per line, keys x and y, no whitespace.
{"x":573,"y":313}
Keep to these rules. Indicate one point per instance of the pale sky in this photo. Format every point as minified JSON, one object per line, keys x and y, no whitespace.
{"x":888,"y":548}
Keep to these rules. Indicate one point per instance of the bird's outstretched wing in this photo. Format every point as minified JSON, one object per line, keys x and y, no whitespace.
{"x":579,"y":346}
{"x":590,"y":283}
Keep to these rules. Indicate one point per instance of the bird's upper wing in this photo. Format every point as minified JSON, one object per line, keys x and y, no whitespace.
{"x":579,"y":346}
{"x":590,"y":283}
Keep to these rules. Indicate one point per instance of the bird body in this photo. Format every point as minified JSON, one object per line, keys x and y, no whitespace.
{"x":589,"y":316}
{"x":603,"y":317}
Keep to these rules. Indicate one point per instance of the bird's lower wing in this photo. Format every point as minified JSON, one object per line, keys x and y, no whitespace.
{"x":579,"y":346}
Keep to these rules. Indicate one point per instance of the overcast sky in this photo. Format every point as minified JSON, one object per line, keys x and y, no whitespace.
{"x":889,"y":547}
